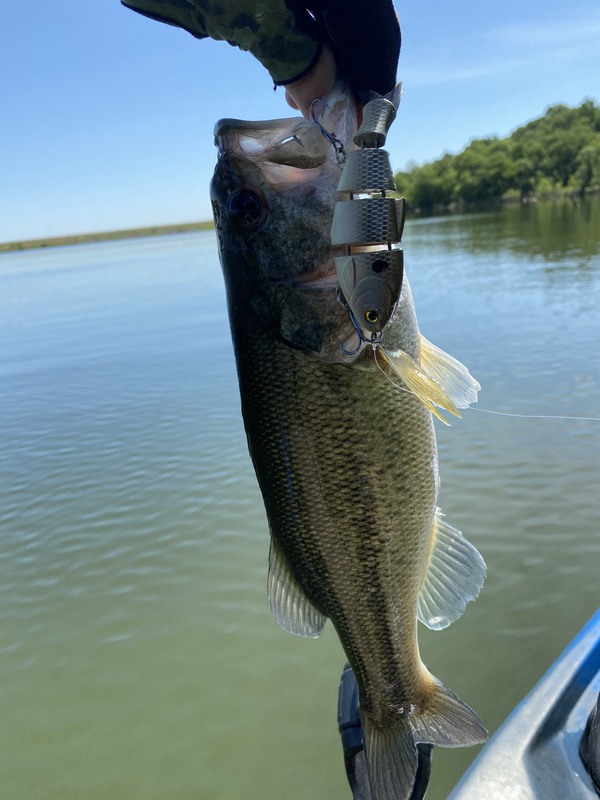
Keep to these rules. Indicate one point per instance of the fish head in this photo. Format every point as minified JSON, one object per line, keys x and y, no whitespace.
{"x":270,"y":180}
{"x":273,"y":193}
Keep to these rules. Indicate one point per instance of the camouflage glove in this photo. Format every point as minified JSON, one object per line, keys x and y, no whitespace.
{"x":365,"y":39}
{"x":287,"y":38}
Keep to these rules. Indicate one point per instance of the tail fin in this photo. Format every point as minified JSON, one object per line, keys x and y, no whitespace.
{"x":392,"y":752}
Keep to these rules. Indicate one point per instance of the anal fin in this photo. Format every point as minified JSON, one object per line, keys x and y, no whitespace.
{"x":289,"y":604}
{"x":455,"y":575}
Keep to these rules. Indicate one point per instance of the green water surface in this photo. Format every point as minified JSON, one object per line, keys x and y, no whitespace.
{"x":138,"y":658}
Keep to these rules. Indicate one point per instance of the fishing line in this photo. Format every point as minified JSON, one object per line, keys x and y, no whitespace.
{"x":488,"y":410}
{"x":533,"y":416}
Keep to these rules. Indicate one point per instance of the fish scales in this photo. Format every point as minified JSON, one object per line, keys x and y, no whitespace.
{"x":338,"y":479}
{"x":343,"y":446}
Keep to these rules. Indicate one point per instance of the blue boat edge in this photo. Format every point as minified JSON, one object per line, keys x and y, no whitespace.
{"x":535,"y":753}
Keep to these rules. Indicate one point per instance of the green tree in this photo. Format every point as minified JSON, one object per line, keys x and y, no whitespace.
{"x":556,"y":152}
{"x":485,"y":170}
{"x":587,"y":172}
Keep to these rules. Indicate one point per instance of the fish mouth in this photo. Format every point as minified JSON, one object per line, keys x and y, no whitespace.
{"x":287,"y":155}
{"x":292,"y":142}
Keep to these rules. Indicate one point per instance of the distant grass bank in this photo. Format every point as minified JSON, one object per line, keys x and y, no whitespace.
{"x":105,"y":236}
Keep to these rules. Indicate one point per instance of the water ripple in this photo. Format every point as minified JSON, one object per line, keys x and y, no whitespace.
{"x":134,"y":625}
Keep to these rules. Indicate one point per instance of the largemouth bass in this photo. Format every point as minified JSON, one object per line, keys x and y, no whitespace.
{"x":342,"y":441}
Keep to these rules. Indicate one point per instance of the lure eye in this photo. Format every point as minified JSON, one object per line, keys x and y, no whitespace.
{"x":372,"y":316}
{"x":246,"y":206}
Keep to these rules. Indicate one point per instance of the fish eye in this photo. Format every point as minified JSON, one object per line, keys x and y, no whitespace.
{"x":246,"y":206}
{"x":371,"y":316}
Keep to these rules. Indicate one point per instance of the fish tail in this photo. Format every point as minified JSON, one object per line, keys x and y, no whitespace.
{"x":391,"y":752}
{"x":392,"y":759}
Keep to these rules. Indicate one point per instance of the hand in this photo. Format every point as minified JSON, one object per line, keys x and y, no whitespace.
{"x":318,"y":83}
{"x":360,"y":43}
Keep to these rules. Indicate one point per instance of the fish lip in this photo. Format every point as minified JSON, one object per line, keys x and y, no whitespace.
{"x":228,"y":129}
{"x":291,"y":141}
{"x":227,"y":124}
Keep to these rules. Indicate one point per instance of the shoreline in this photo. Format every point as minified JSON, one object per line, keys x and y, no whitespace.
{"x":104,"y":236}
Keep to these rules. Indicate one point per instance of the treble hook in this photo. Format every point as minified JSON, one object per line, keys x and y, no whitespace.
{"x":362,"y":339}
{"x":340,"y":153}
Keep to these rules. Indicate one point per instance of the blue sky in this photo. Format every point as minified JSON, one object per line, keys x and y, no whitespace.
{"x":106,"y":117}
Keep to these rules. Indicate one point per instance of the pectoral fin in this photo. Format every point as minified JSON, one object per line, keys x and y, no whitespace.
{"x":417,"y":382}
{"x":440,"y":381}
{"x":454,"y":378}
{"x":454,"y":576}
{"x":289,"y":604}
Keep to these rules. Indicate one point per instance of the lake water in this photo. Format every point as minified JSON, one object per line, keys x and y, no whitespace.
{"x":138,"y":657}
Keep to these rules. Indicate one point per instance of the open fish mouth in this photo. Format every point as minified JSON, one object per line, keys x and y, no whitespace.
{"x":289,"y":156}
{"x":292,"y":142}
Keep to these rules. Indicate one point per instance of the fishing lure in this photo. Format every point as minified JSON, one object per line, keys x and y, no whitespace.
{"x":367,"y":227}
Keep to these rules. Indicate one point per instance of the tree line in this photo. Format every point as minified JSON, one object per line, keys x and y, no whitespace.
{"x":556,"y":154}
